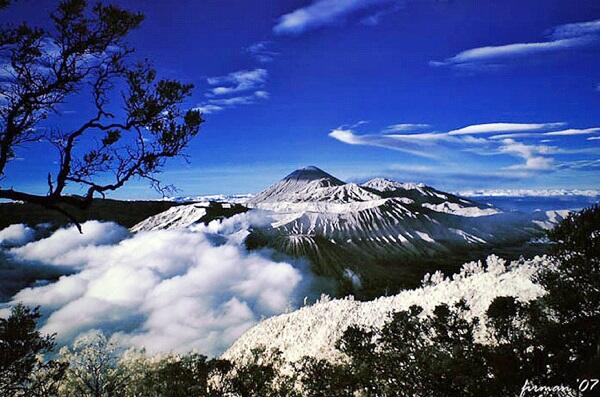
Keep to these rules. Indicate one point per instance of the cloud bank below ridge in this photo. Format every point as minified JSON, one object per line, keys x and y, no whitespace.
{"x":174,"y":290}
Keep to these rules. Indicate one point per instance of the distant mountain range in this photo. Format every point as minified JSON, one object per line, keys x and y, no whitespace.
{"x":374,"y":236}
{"x":219,"y":198}
{"x":530,"y":192}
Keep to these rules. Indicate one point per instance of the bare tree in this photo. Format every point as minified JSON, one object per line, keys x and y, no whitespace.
{"x":138,"y":121}
{"x":93,"y":368}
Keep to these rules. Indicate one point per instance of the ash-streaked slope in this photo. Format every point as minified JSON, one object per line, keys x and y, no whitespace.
{"x":295,"y":186}
{"x":430,"y":198}
{"x":369,"y":229}
{"x":312,"y":189}
{"x":313,"y":330}
{"x":184,"y":216}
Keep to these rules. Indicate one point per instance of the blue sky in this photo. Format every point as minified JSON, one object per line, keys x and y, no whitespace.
{"x":457,"y":94}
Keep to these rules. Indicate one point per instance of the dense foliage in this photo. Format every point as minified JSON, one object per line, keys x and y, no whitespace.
{"x":23,"y":372}
{"x":551,"y":341}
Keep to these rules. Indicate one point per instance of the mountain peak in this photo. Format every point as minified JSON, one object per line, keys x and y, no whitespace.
{"x":312,"y":173}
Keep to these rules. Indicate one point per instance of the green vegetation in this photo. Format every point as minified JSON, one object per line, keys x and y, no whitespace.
{"x":23,"y":372}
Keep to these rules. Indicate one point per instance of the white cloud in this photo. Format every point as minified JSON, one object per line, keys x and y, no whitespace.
{"x":207,"y":108}
{"x":405,"y":143}
{"x":582,"y":165}
{"x":573,"y":131}
{"x":532,"y":154}
{"x":517,"y":135}
{"x":56,"y":248}
{"x":347,"y":136}
{"x":450,"y":146}
{"x":594,"y":138}
{"x":577,"y":29}
{"x":567,"y":132}
{"x":174,"y":290}
{"x":563,"y":37}
{"x":405,"y":127}
{"x":242,"y":80}
{"x":234,"y":83}
{"x":17,"y":234}
{"x":240,"y":100}
{"x":218,"y":104}
{"x":423,"y":137}
{"x":261,"y":51}
{"x":511,"y":50}
{"x":433,"y":145}
{"x":321,"y":13}
{"x":375,"y":18}
{"x":502,"y":127}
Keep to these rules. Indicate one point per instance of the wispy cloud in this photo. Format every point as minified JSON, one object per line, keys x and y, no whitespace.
{"x":261,"y":51}
{"x":456,"y":175}
{"x":581,"y":165}
{"x":214,"y":105}
{"x":490,"y":128}
{"x":240,"y":100}
{"x":510,"y":50}
{"x":207,"y":108}
{"x":374,"y":18}
{"x":563,"y":37}
{"x":242,"y":80}
{"x":516,"y":135}
{"x":532,"y":154}
{"x":567,"y":132}
{"x":234,"y":83}
{"x":577,"y":29}
{"x":405,"y":127}
{"x":445,"y":146}
{"x":594,"y":138}
{"x":394,"y":142}
{"x":573,"y":131}
{"x":324,"y":12}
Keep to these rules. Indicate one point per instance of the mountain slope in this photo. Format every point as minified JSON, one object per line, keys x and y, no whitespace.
{"x":430,"y":198}
{"x":311,"y":189}
{"x":383,"y":232}
{"x":184,"y":216}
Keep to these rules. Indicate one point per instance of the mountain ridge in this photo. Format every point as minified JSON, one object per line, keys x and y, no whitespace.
{"x":311,"y":184}
{"x":378,"y":235}
{"x":379,"y":229}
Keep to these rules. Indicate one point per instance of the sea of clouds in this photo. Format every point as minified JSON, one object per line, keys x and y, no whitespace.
{"x":171,"y":290}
